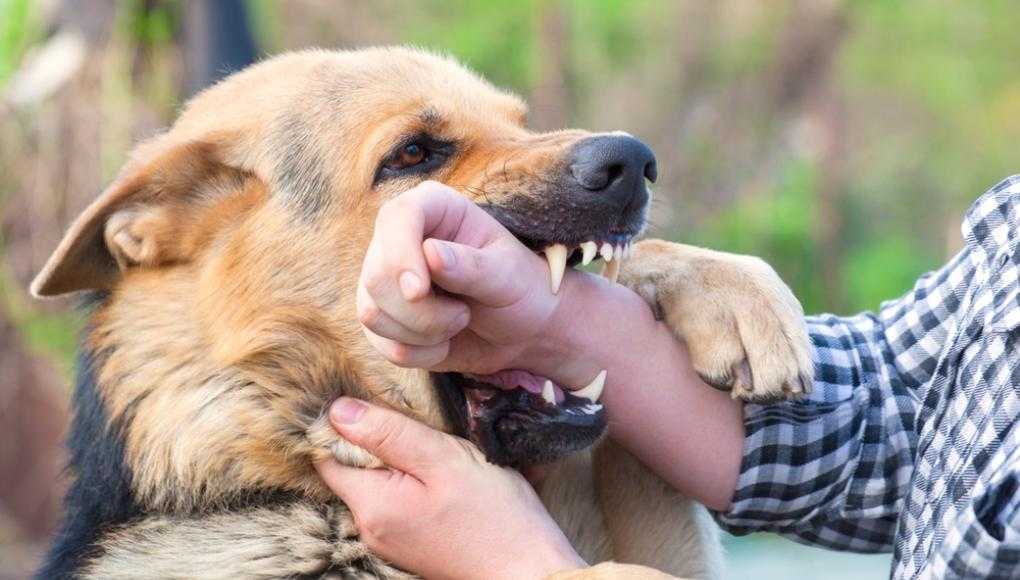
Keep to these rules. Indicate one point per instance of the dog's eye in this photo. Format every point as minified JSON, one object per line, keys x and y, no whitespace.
{"x":409,"y":155}
{"x":420,"y":155}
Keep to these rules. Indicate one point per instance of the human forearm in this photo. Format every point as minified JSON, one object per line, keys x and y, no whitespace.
{"x":690,"y":434}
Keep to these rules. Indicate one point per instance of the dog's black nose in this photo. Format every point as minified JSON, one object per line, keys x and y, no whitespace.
{"x":616,"y":165}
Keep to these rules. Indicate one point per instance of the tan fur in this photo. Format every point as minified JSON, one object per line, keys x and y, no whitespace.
{"x":742,"y":325}
{"x":231,"y":246}
{"x":612,"y":571}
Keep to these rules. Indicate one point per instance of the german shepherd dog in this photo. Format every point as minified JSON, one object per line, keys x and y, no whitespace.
{"x":220,"y":268}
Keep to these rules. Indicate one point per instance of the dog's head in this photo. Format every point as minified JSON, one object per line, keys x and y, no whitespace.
{"x":247,"y":222}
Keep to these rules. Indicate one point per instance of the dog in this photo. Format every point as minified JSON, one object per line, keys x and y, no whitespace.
{"x":219,"y":270}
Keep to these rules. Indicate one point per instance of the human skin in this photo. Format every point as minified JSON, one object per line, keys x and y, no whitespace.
{"x":498,"y":313}
{"x":465,"y":518}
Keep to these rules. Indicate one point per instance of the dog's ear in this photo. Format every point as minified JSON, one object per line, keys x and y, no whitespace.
{"x":136,"y":222}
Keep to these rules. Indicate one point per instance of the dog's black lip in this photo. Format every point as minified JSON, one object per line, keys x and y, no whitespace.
{"x":612,"y":231}
{"x":497,"y":436}
{"x":453,"y":402}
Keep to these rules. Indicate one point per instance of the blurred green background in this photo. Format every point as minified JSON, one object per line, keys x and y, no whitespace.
{"x":839,"y":140}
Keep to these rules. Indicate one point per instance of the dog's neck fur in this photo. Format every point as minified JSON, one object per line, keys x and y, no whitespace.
{"x":220,"y":369}
{"x":203,"y":421}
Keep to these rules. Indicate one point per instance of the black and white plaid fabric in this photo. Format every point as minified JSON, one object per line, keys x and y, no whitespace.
{"x":911,"y":439}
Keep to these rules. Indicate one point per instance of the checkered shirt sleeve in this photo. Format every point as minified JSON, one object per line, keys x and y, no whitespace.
{"x":831,"y":469}
{"x":910,"y":441}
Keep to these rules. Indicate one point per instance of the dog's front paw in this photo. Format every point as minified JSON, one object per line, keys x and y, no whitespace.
{"x":743,"y":327}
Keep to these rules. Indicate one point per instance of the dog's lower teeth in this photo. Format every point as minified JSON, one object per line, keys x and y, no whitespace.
{"x":549,"y":392}
{"x":593,"y":391}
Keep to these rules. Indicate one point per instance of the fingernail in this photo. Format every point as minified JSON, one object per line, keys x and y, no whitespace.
{"x":447,"y":254}
{"x":347,"y":410}
{"x":410,"y":285}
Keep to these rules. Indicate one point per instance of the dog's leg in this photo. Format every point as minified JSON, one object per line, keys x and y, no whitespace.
{"x":290,"y":540}
{"x":743,"y":327}
{"x":648,"y":523}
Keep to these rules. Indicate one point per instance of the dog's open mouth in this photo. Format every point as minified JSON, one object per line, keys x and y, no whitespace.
{"x":517,"y":418}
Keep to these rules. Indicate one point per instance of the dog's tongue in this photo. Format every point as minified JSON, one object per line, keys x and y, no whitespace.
{"x":508,"y":380}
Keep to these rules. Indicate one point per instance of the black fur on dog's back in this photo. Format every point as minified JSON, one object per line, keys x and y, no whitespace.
{"x":99,"y":495}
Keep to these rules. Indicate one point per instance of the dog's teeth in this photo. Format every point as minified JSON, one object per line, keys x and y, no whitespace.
{"x":556,"y":255}
{"x":594,"y":389}
{"x":629,"y":251}
{"x":607,"y":252}
{"x":589,"y":250}
{"x":611,"y":270}
{"x":549,"y":392}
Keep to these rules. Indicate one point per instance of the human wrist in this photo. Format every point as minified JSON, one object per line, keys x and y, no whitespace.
{"x":583,"y":335}
{"x":543,"y":565}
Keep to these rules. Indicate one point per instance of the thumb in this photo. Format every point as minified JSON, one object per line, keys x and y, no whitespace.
{"x":353,"y":485}
{"x":485,"y":274}
{"x":399,"y":441}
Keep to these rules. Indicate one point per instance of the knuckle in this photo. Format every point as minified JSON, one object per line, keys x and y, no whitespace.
{"x":435,"y":325}
{"x":369,"y":314}
{"x":439,"y":354}
{"x":400,"y":354}
{"x":373,"y":280}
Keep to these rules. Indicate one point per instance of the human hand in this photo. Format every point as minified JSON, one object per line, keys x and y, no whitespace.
{"x":440,"y":510}
{"x":497,"y":297}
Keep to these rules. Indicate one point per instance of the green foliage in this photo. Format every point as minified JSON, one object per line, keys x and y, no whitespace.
{"x":18,"y":29}
{"x":264,"y":16}
{"x":776,"y":225}
{"x":954,"y":63}
{"x":53,"y":334}
{"x":497,"y":41}
{"x":882,"y":268}
{"x":153,"y":25}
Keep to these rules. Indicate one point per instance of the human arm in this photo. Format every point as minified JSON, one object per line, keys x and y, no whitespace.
{"x":515,"y":322}
{"x":828,"y":469}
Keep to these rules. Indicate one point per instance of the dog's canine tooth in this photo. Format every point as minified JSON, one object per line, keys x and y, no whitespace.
{"x":612,"y":269}
{"x":548,"y":392}
{"x":556,"y":255}
{"x":607,"y":252}
{"x":589,"y":250}
{"x":594,"y":389}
